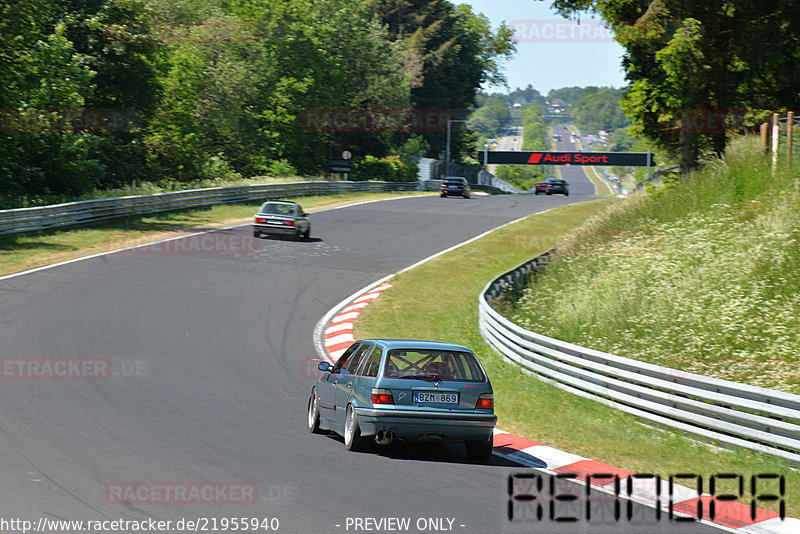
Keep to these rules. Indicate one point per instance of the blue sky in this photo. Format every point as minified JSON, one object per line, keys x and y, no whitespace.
{"x":553,"y":52}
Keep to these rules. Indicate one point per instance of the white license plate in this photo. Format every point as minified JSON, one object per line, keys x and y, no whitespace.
{"x":275,"y":222}
{"x":436,"y":397}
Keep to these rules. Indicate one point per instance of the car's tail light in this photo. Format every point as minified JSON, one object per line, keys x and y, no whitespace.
{"x":260,"y":220}
{"x":443,"y":186}
{"x":485,"y":402}
{"x":289,"y":223}
{"x":381,"y":396}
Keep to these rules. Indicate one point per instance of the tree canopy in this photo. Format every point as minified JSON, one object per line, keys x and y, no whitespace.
{"x":599,"y":109}
{"x":101,"y":93}
{"x":692,"y":64}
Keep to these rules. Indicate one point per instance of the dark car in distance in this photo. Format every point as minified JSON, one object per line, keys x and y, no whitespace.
{"x":282,"y":218}
{"x":455,"y":185}
{"x":552,"y":186}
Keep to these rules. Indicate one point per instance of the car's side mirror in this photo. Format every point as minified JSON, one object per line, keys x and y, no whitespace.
{"x":325,"y":366}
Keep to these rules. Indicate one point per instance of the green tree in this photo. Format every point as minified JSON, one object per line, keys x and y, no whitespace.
{"x":570,"y":95}
{"x":46,"y":82}
{"x":529,"y":93}
{"x":491,"y":117}
{"x":599,"y":110}
{"x":687,"y":58}
{"x":449,"y":51}
{"x":126,"y":87}
{"x":246,"y":102}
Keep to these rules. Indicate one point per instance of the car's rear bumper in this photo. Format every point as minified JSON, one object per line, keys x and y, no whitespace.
{"x":434,"y":425}
{"x":270,"y":229}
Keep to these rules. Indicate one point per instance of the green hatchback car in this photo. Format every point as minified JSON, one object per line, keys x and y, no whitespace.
{"x":387,"y":389}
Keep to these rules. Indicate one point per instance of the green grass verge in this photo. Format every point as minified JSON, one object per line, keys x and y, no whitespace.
{"x":700,"y":276}
{"x":420,"y":306}
{"x":602,"y":187}
{"x":28,"y":251}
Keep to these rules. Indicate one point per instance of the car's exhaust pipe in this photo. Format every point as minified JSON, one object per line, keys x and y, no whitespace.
{"x":384,"y":437}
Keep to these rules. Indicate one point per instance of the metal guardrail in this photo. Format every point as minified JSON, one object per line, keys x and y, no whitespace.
{"x":729,"y":412}
{"x":658,"y":175}
{"x":21,"y":220}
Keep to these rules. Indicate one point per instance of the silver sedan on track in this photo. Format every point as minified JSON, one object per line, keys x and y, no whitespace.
{"x":415,"y":390}
{"x":282,"y":218}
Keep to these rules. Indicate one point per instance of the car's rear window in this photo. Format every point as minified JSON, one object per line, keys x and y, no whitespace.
{"x":433,"y":364}
{"x":278,"y":209}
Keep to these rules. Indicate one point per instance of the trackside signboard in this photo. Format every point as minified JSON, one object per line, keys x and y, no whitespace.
{"x":616,"y":159}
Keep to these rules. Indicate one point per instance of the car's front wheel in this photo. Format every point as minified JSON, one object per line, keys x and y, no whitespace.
{"x":313,"y":414}
{"x":479,"y":450}
{"x":352,"y":433}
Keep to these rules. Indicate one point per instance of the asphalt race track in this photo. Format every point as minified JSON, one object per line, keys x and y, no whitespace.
{"x":193,"y":362}
{"x":574,"y":174}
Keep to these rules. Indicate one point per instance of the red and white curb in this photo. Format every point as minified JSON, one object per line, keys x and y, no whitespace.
{"x":731,"y":516}
{"x":339,"y":335}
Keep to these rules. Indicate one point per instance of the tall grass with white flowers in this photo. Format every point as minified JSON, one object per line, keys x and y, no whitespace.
{"x":702,"y":275}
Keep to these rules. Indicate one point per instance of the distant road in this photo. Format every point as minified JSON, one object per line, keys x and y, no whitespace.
{"x":511,"y":141}
{"x":575,"y":175}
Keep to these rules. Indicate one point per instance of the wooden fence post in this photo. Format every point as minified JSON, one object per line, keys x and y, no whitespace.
{"x":764,"y":127}
{"x":775,"y":137}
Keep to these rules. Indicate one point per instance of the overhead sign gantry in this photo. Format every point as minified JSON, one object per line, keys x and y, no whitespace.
{"x":615,"y":159}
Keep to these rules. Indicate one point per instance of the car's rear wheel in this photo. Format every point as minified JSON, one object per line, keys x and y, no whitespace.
{"x":442,"y":195}
{"x":566,"y":193}
{"x":313,"y":414}
{"x":352,"y":433}
{"x":256,"y":234}
{"x":479,"y":450}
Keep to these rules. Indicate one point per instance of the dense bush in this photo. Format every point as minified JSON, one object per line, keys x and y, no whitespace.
{"x":387,"y":169}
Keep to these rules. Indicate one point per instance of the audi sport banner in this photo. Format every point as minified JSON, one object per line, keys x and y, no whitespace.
{"x":616,"y":159}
